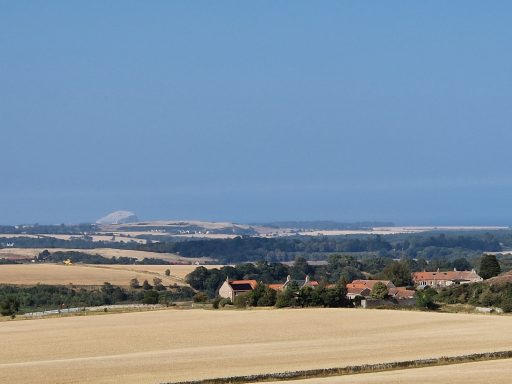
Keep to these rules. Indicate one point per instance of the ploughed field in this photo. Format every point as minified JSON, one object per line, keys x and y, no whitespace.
{"x":88,"y":274}
{"x":173,"y":345}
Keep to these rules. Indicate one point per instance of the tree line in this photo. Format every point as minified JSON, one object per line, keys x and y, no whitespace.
{"x":14,"y":299}
{"x":87,"y":258}
{"x":247,"y":248}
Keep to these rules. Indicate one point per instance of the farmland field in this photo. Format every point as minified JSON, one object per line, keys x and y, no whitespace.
{"x":30,"y":253}
{"x":174,"y":345}
{"x":496,"y":372}
{"x":87,"y":274}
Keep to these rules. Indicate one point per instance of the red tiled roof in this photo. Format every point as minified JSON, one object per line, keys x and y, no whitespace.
{"x":276,"y":287}
{"x":449,"y":275}
{"x":367,"y":283}
{"x":243,"y":285}
{"x":402,"y":293}
{"x":359,"y":291}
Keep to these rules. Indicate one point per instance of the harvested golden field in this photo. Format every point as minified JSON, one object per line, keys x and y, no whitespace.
{"x":83,"y":274}
{"x":89,"y":274}
{"x":173,"y":345}
{"x":496,"y":372}
{"x":177,"y":271}
{"x":29,"y":253}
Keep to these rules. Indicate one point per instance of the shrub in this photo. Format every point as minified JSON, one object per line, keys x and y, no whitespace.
{"x":241,"y":301}
{"x":9,"y":306}
{"x":216,"y":302}
{"x":425,"y":298}
{"x":225,"y":301}
{"x":379,"y":291}
{"x":150,"y":297}
{"x":506,"y":304}
{"x":146,"y":286}
{"x":285,"y":298}
{"x":200,"y":297}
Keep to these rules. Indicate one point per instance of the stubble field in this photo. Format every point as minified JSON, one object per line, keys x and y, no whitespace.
{"x":30,"y":253}
{"x":496,"y":372}
{"x":87,"y":274}
{"x":174,"y":345}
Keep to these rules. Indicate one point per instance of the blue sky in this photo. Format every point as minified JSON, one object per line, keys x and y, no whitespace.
{"x":256,"y":111}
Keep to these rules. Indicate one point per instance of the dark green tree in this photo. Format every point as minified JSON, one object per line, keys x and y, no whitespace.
{"x":200,"y":297}
{"x":285,"y":298}
{"x":461,"y":264}
{"x":425,"y":298}
{"x":268,"y":299}
{"x":150,"y":297}
{"x":9,"y":306}
{"x":146,"y":286}
{"x":337,"y":297}
{"x":305,"y":297}
{"x":398,"y":272}
{"x":489,"y":266}
{"x":241,"y":301}
{"x":300,"y":268}
{"x":379,"y":291}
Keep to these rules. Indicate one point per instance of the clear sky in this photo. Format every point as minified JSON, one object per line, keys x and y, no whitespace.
{"x":256,"y":111}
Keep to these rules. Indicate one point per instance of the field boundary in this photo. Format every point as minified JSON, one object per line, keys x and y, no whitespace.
{"x":354,"y":369}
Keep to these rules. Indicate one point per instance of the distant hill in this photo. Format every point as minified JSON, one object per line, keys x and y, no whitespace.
{"x":118,"y":217}
{"x":327,"y":225}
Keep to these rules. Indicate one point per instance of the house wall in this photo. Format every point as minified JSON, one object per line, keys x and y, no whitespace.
{"x":226,"y":291}
{"x":376,"y":303}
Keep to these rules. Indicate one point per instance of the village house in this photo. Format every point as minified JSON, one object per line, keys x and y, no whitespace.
{"x":364,"y":288}
{"x":352,"y":293}
{"x":232,"y":288}
{"x":444,"y":279}
{"x":300,"y":283}
{"x":401,"y":293}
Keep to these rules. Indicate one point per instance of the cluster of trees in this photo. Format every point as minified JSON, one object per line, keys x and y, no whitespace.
{"x":210,"y":280}
{"x":44,"y":297}
{"x":9,"y":261}
{"x":338,"y":266}
{"x":47,"y":297}
{"x":293,"y":296}
{"x":158,"y":292}
{"x":87,"y":258}
{"x":82,"y":242}
{"x":63,"y":229}
{"x":450,"y":247}
{"x":241,"y":249}
{"x":482,"y":294}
